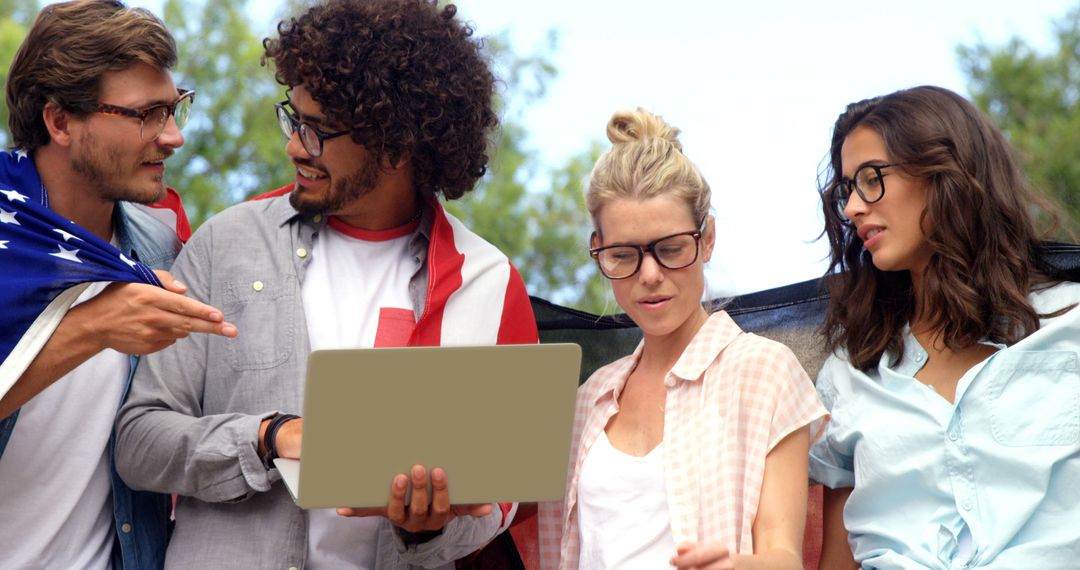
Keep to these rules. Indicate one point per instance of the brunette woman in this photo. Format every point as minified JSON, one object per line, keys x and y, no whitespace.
{"x":954,"y":394}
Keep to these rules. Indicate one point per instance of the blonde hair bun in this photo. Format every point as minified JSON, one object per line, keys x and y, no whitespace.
{"x":640,"y":125}
{"x":645,"y":161}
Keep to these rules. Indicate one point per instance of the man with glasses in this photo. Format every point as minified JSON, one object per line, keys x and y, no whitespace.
{"x":94,"y":114}
{"x":389,"y":106}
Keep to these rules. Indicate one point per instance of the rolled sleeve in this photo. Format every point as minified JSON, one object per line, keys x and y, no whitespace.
{"x":831,"y":464}
{"x":165,"y":443}
{"x":461,"y":537}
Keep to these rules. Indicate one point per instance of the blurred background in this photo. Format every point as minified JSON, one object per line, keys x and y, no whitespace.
{"x":754,"y":86}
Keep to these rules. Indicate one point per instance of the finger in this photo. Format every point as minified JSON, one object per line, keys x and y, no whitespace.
{"x":481,"y":510}
{"x":366,"y":512}
{"x":472,"y":510}
{"x":188,"y":324}
{"x":440,"y":497}
{"x":699,"y":555}
{"x":181,"y":305}
{"x":169,"y":282}
{"x":395,"y":508}
{"x":418,"y":506}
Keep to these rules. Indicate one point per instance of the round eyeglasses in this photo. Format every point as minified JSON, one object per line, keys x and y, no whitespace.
{"x":868,"y":182}
{"x":152,"y":119}
{"x":310,"y":137}
{"x":675,"y":251}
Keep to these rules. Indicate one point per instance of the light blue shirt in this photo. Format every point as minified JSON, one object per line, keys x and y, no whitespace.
{"x":990,"y":482}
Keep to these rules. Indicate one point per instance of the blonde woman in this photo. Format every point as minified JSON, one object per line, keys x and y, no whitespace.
{"x":692,"y":451}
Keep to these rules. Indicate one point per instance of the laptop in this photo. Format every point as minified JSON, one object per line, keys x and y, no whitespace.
{"x":498,"y":419}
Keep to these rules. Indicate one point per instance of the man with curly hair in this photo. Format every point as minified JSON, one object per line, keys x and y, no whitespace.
{"x":389,"y":105}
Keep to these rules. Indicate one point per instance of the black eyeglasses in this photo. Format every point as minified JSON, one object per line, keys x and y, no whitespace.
{"x":152,"y":119}
{"x":311,"y":137}
{"x":675,"y":251}
{"x":868,"y":181}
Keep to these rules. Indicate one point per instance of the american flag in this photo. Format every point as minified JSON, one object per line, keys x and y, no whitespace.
{"x":46,"y":261}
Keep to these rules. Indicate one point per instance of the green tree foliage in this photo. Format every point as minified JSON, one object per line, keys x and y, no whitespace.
{"x":1035,"y":99}
{"x":233,"y":147}
{"x":15,"y":17}
{"x":535,"y":215}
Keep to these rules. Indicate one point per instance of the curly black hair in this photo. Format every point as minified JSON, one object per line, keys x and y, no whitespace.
{"x":405,"y":74}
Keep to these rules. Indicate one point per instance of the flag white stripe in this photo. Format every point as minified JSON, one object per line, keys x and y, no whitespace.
{"x":485,"y":275}
{"x":35,"y":337}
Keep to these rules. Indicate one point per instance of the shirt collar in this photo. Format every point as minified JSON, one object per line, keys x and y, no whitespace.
{"x":620,"y":370}
{"x":718,"y":332}
{"x":282,"y":213}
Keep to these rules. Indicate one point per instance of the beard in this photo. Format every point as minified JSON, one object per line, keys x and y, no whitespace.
{"x":107,"y":171}
{"x":341,"y":192}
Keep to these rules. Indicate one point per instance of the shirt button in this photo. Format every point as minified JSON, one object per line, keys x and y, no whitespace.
{"x":919,"y":357}
{"x":953,"y":436}
{"x":257,"y":286}
{"x":967,"y":506}
{"x":317,"y":218}
{"x":301,"y":252}
{"x":125,"y":528}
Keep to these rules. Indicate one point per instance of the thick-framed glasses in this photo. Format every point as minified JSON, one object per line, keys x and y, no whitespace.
{"x":868,"y":182}
{"x":310,"y":137}
{"x":675,"y":251}
{"x":152,"y":119}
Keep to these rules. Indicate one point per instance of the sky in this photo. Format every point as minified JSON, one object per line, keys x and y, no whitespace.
{"x":754,"y":86}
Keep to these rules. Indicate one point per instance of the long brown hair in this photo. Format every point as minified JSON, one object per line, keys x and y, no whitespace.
{"x":978,"y":222}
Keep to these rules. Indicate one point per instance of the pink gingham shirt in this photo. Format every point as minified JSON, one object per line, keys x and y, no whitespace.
{"x":731,"y":397}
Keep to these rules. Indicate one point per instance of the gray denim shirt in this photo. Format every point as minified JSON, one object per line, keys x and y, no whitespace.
{"x":191,"y":422}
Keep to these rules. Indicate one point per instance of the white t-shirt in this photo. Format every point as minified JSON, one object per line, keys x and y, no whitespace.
{"x":622,"y":509}
{"x":356,"y":295}
{"x":55,"y":487}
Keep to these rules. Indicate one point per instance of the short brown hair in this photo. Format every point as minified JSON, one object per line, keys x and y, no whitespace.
{"x":406,"y":75}
{"x":67,"y":51}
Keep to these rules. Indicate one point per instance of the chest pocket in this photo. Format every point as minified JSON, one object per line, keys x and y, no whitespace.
{"x":263,"y":311}
{"x":1035,"y":398}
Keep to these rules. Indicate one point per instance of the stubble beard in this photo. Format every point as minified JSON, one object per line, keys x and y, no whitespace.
{"x":342,"y":192}
{"x":102,"y":169}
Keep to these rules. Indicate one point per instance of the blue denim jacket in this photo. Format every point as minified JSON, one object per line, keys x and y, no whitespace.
{"x":140,"y":518}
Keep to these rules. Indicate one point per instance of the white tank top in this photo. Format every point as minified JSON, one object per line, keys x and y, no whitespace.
{"x":622,"y":509}
{"x":55,"y":485}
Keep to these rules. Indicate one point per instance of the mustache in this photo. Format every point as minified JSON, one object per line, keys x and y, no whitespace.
{"x":306,"y":163}
{"x":164,"y":156}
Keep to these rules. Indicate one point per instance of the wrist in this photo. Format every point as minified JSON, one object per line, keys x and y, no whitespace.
{"x":83,"y":328}
{"x":262,"y":437}
{"x":269,"y":435}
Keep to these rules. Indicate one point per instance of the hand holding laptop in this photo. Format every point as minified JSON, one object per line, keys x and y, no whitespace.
{"x":417,"y":516}
{"x":420,"y":515}
{"x":516,"y":450}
